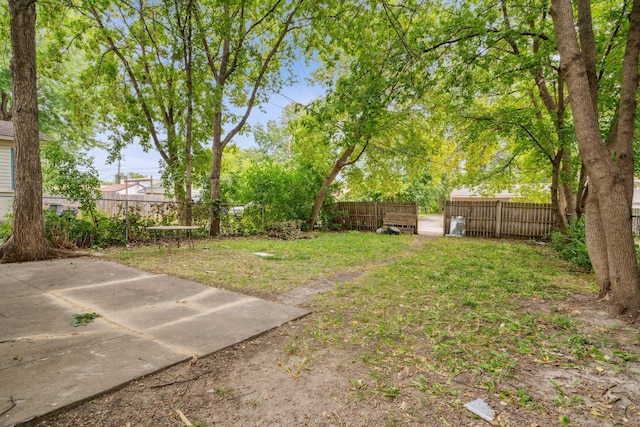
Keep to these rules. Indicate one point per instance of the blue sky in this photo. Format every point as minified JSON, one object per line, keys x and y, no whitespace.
{"x":134,"y":159}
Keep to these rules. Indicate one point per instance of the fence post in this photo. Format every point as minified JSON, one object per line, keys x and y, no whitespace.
{"x":378,"y":221}
{"x":498,"y":219}
{"x":447,"y":213}
{"x":126,"y":219}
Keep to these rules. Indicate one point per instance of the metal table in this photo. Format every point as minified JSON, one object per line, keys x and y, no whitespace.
{"x":175,"y":233}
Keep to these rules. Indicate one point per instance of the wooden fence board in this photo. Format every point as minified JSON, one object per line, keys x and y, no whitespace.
{"x":502,"y":219}
{"x":368,"y":216}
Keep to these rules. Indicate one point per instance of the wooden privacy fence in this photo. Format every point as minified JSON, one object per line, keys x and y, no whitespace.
{"x":368,"y":216}
{"x":502,"y":219}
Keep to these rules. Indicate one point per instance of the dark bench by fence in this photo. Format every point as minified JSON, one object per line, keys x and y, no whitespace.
{"x":406,"y":222}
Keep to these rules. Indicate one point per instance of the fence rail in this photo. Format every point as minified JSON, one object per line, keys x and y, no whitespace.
{"x":368,"y":216}
{"x":133,"y":208}
{"x":502,"y":219}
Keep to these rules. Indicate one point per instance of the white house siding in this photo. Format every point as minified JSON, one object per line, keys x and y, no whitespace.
{"x":5,"y":168}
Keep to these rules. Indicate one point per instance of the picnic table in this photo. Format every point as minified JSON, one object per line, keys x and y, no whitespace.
{"x":173,"y":233}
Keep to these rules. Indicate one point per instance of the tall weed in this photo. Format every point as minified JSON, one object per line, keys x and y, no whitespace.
{"x":573,"y":245}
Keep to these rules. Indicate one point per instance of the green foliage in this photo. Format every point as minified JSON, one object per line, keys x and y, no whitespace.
{"x":424,"y":191}
{"x":70,"y":174}
{"x":573,"y":245}
{"x":287,"y":191}
{"x":83,"y":319}
{"x":66,"y":231}
{"x":5,"y":228}
{"x":71,"y":231}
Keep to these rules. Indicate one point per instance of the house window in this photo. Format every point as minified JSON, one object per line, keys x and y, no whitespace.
{"x":11,"y":166}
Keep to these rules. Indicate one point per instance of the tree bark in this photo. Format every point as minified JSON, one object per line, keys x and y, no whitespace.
{"x":606,"y":166}
{"x":188,"y":67}
{"x":596,"y":244}
{"x":328,"y":180}
{"x":223,"y":65}
{"x":565,"y":183}
{"x":214,"y":177}
{"x":28,"y":241}
{"x":556,"y":205}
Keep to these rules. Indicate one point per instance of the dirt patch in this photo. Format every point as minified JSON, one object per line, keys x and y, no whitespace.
{"x":303,"y":295}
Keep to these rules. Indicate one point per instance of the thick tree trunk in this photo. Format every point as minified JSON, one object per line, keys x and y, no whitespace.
{"x":27,"y":241}
{"x":335,"y":170}
{"x":607,"y":168}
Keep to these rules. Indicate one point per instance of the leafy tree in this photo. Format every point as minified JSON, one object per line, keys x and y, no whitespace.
{"x":609,"y":160}
{"x":71,"y":175}
{"x":273,"y":141}
{"x":27,"y":241}
{"x":144,"y":56}
{"x":507,"y":98}
{"x":246,"y":44}
{"x":286,"y":192}
{"x":369,"y":73}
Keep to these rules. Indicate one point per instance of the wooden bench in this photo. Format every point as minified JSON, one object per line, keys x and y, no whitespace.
{"x":406,"y":222}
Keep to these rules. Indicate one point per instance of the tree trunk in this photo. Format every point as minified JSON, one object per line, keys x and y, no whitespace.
{"x":186,"y":29}
{"x":214,"y":178}
{"x":582,"y":193}
{"x":607,"y":170}
{"x":189,"y":136}
{"x":27,"y":241}
{"x":337,"y":167}
{"x":556,"y":194}
{"x":177,"y":178}
{"x":596,"y":244}
{"x":566,"y":176}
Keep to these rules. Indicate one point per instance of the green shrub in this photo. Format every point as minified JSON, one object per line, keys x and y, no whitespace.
{"x":5,"y":228}
{"x":69,"y":231}
{"x":66,"y":231}
{"x":573,"y":245}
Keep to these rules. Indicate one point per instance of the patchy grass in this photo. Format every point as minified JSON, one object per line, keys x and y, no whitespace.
{"x":465,"y":312}
{"x":231,"y":263}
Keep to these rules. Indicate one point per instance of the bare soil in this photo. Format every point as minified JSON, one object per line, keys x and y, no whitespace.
{"x":260,"y":382}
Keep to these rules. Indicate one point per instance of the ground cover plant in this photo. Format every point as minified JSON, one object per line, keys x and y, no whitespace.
{"x":419,"y":328}
{"x":281,"y":266}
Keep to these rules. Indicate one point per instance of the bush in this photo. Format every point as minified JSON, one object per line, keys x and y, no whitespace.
{"x":5,"y":228}
{"x":573,"y":245}
{"x":68,"y":231}
{"x":287,"y":230}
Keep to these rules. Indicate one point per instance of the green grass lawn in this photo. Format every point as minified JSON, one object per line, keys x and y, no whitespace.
{"x":465,"y":304}
{"x":450,"y":312}
{"x":232,"y":264}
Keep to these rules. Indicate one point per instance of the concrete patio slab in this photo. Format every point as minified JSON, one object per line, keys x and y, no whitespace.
{"x":146,"y":323}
